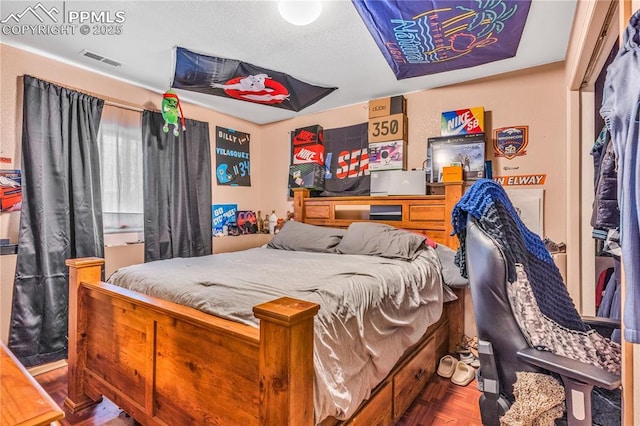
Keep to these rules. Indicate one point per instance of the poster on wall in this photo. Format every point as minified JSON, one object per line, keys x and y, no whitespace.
{"x":222,"y":215}
{"x":346,"y":161}
{"x":462,"y":121}
{"x":10,"y":190}
{"x":424,"y":37}
{"x":510,"y":142}
{"x":233,"y":162}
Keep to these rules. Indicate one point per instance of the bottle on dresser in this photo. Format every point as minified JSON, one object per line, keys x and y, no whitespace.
{"x":273,"y":220}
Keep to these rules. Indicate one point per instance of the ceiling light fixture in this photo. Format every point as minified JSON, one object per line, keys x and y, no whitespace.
{"x":299,"y":12}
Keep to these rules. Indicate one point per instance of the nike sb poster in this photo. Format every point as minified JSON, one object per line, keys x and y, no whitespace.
{"x":233,"y":162}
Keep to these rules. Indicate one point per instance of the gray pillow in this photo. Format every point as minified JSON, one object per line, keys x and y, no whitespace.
{"x":450,"y":272}
{"x":378,"y":239}
{"x":298,"y":236}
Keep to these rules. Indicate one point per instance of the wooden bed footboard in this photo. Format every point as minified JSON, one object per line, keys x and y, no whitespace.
{"x":167,"y":364}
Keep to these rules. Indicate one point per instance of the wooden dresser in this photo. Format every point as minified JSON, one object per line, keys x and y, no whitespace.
{"x":22,"y":400}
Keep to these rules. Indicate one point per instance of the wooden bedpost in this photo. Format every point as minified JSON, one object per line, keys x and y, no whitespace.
{"x":286,"y":361}
{"x":455,"y":314}
{"x":87,"y":269}
{"x":453,"y":192}
{"x":454,"y":310}
{"x":299,"y":194}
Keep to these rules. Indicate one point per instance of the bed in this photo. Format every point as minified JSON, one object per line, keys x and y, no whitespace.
{"x":166,"y":363}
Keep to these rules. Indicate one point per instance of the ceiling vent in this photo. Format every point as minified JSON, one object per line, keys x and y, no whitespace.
{"x":100,"y":58}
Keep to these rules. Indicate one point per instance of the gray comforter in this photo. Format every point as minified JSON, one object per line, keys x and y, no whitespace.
{"x":371,"y":308}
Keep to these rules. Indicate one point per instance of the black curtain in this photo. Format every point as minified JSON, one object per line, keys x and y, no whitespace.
{"x":61,"y":214}
{"x":177,"y":189}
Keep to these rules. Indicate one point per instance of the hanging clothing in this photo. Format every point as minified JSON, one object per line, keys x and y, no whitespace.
{"x":597,"y":151}
{"x":605,"y":214}
{"x":621,"y":112}
{"x":610,"y":305}
{"x":601,"y":286}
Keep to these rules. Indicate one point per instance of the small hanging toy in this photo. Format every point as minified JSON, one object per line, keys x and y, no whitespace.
{"x":171,"y":110}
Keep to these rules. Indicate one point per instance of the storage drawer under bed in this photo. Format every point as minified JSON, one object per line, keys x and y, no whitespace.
{"x":412,"y":378}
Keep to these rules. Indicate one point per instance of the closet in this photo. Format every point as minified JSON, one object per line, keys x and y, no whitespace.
{"x":605,"y":212}
{"x":585,"y":100}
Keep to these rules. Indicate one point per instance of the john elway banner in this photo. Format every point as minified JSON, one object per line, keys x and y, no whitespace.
{"x":232,"y":78}
{"x":428,"y":37}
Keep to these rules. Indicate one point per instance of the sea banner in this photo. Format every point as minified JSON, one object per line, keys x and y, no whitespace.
{"x":346,"y":161}
{"x":231,"y":78}
{"x":428,"y":37}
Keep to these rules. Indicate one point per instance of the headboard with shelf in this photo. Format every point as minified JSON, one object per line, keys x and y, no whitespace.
{"x":427,"y":214}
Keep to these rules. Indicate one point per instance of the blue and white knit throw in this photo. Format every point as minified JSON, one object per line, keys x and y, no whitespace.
{"x":547,"y":318}
{"x":489,"y":204}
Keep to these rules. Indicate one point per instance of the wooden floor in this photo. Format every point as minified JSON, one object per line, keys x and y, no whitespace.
{"x":441,"y":403}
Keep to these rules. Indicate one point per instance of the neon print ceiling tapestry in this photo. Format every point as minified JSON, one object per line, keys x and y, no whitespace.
{"x":428,"y":37}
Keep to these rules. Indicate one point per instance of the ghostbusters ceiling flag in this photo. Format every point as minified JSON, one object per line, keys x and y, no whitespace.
{"x":235,"y":79}
{"x":424,"y":37}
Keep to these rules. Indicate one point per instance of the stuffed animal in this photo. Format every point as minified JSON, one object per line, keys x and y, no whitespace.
{"x":171,"y":111}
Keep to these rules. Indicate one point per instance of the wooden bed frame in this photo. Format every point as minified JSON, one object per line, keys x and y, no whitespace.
{"x":167,"y":364}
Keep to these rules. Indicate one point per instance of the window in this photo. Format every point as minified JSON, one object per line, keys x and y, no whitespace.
{"x":120,"y":144}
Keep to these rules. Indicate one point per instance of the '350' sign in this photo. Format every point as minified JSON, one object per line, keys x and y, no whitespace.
{"x":388,"y":128}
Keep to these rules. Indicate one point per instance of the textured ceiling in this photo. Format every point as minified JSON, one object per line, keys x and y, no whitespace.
{"x":336,"y":50}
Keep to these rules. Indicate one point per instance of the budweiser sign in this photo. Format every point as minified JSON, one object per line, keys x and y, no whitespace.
{"x":313,"y":153}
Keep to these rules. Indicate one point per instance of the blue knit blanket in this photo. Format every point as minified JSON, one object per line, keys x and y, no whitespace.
{"x":489,"y":204}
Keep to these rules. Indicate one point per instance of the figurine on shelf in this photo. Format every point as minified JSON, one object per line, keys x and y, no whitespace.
{"x":278,"y":226}
{"x":259,"y":222}
{"x":281,"y":222}
{"x":273,"y":221}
